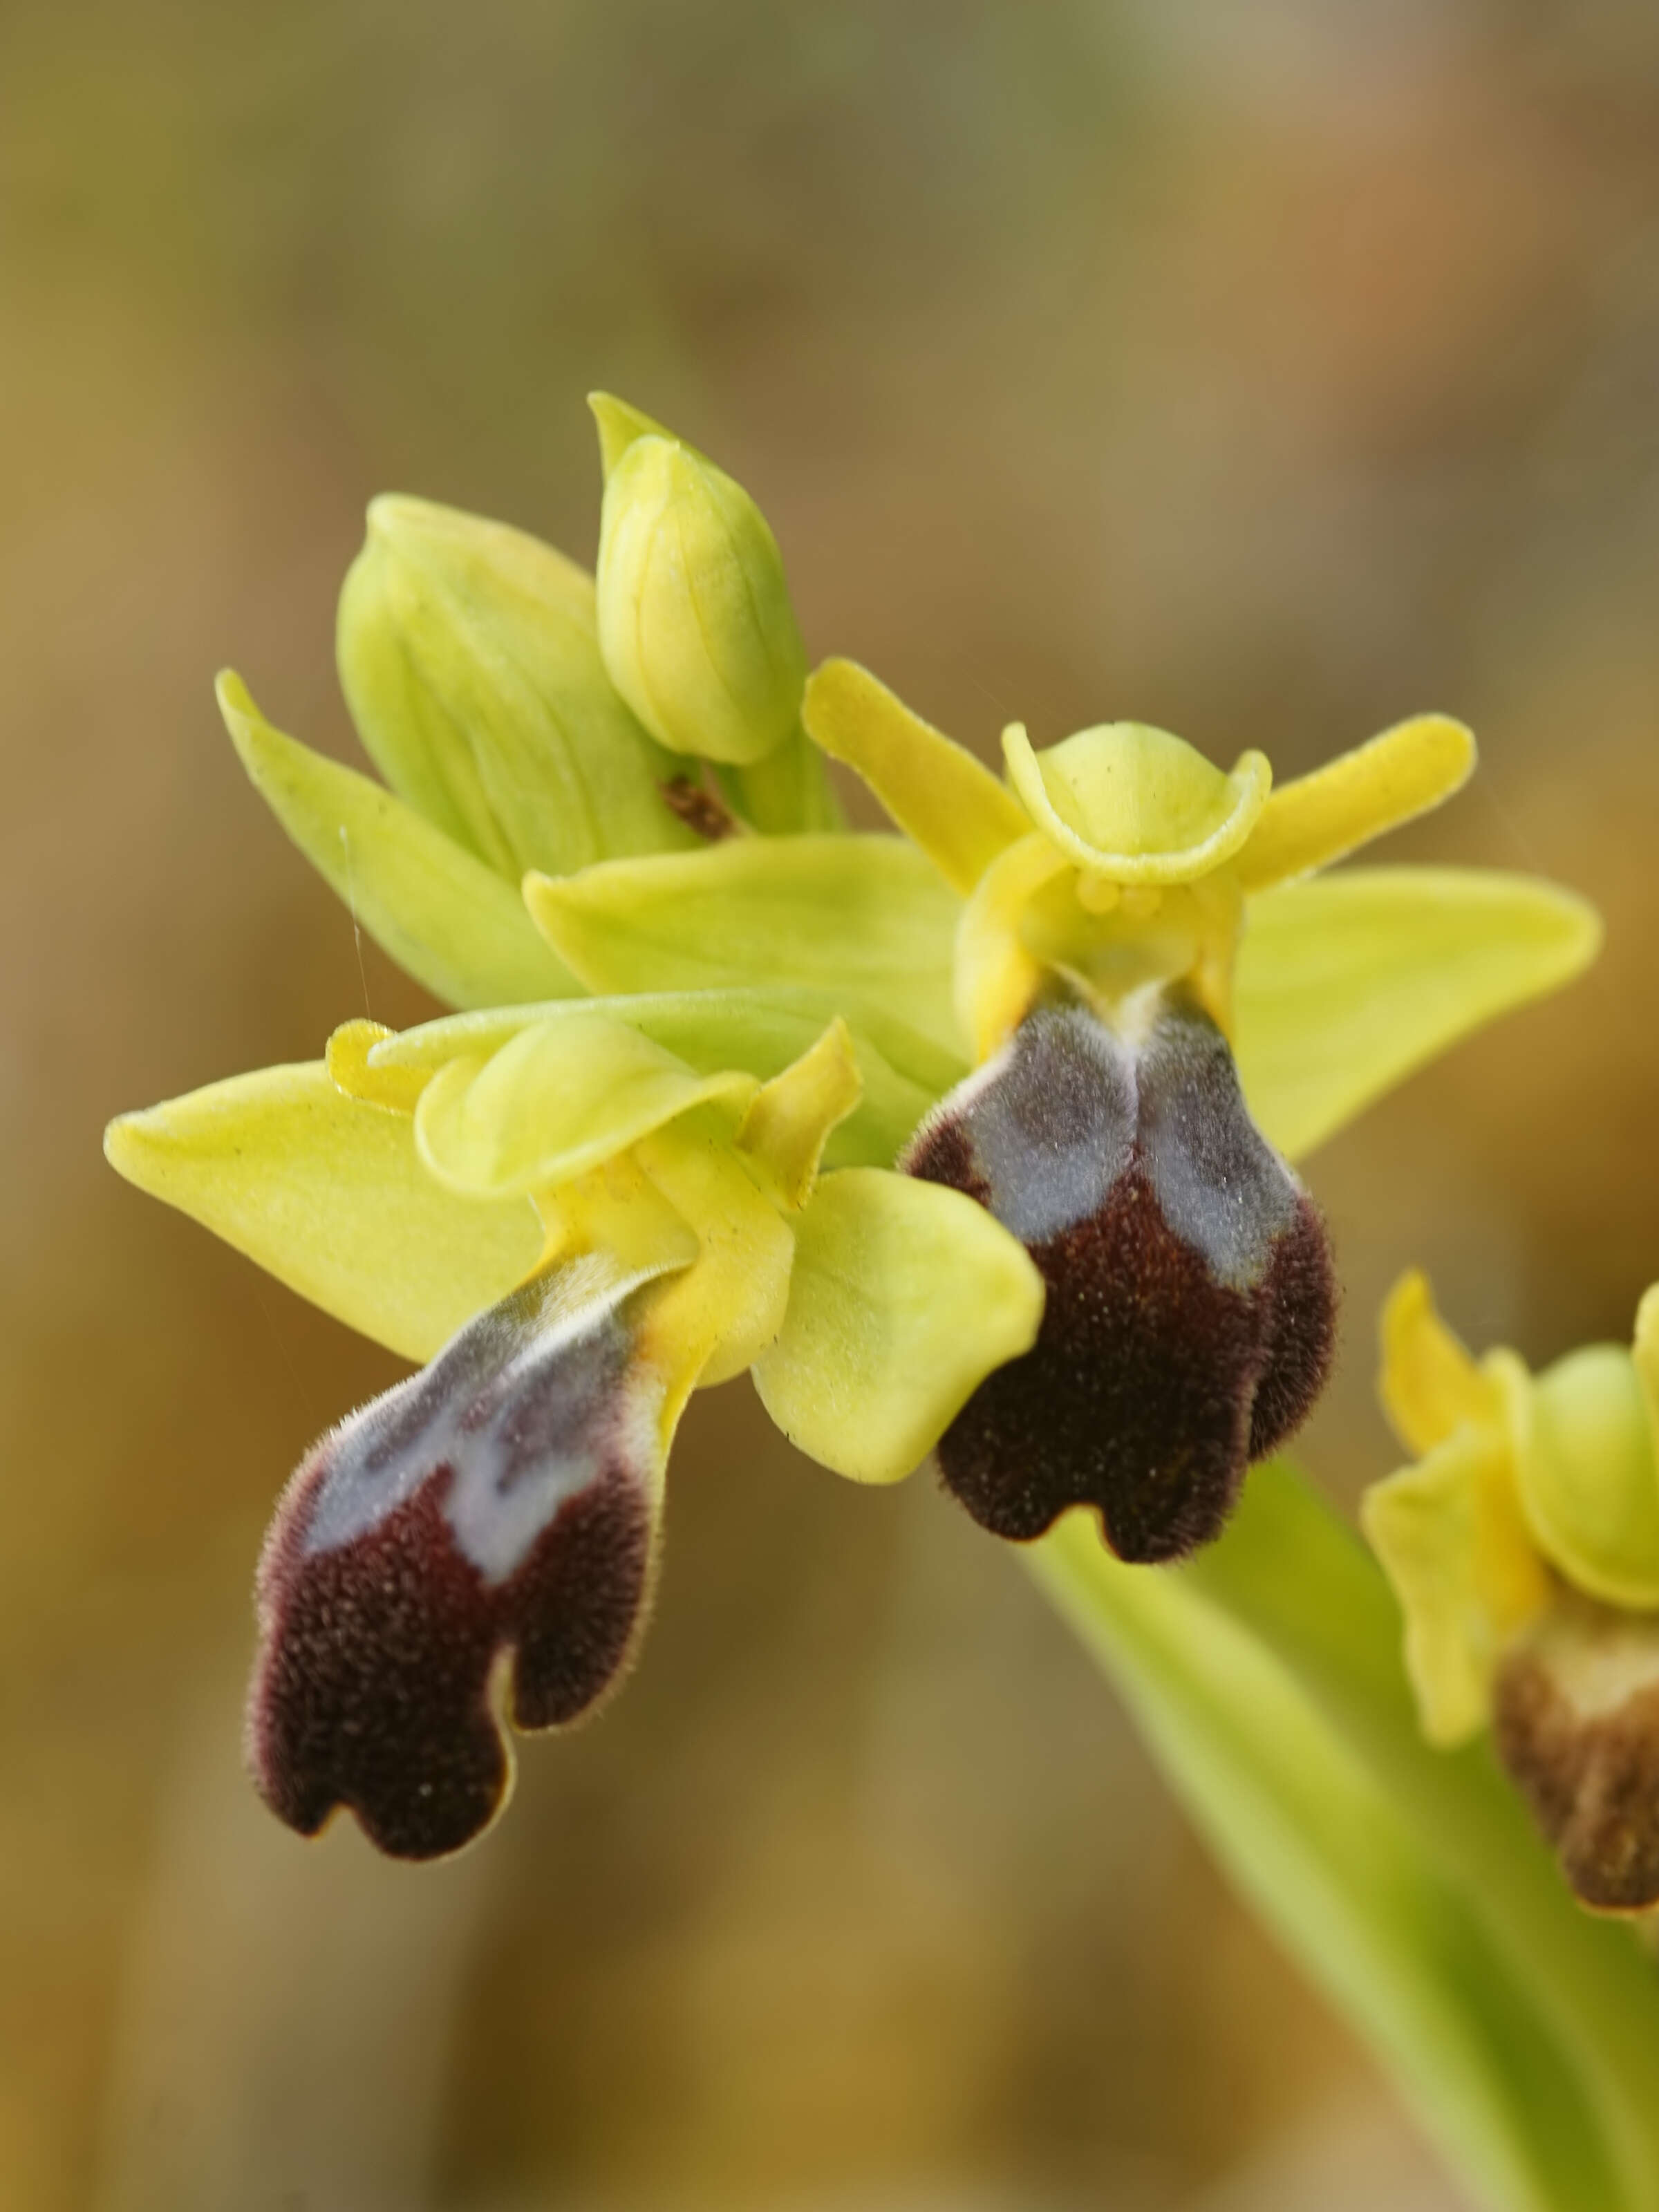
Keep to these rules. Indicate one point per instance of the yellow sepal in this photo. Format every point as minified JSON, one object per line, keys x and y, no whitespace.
{"x":330,"y":1197}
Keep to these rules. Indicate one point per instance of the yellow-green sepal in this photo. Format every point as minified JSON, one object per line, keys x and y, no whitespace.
{"x":1429,"y":1384}
{"x":1134,"y":805}
{"x":441,"y":913}
{"x":695,"y":621}
{"x":902,"y":1073}
{"x":328,"y":1195}
{"x":1585,"y":1469}
{"x":866,"y":918}
{"x":556,"y":1100}
{"x":905,"y":1295}
{"x":1346,"y":985}
{"x":469,"y":656}
{"x":1451,"y":1539}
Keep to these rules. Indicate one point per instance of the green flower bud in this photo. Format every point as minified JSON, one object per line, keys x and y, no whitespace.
{"x":469,"y":659}
{"x":694,"y":620}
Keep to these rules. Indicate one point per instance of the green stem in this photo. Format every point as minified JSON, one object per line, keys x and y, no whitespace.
{"x":788,"y":792}
{"x":1292,"y":1572}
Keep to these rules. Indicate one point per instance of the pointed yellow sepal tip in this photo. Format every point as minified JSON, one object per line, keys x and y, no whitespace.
{"x":619,"y":424}
{"x":1134,"y":805}
{"x":791,"y":1118}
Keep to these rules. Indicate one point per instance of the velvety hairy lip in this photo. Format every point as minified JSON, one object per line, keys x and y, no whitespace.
{"x":1191,"y":1298}
{"x":478,"y":1540}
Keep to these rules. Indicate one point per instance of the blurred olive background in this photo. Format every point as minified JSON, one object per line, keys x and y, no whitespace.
{"x":1266,"y":373}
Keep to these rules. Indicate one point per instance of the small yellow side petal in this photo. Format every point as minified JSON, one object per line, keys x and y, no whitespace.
{"x":1315,"y":820}
{"x":1134,"y":805}
{"x":786,"y":1129}
{"x":554,"y":1103}
{"x":905,"y":1296}
{"x":942,"y":798}
{"x":1585,"y":1469}
{"x":1451,"y":1537}
{"x":330,"y":1197}
{"x":1429,"y":1384}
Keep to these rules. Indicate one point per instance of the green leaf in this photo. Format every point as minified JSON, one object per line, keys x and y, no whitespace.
{"x":1346,"y":984}
{"x":1293,"y":1575}
{"x":469,"y":659}
{"x":905,"y":1295}
{"x":1319,"y":1844}
{"x":454,"y":923}
{"x":328,"y":1195}
{"x":866,"y":918}
{"x":904,"y":1074}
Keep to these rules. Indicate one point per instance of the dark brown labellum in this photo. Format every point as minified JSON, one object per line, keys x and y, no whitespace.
{"x":1576,"y":1720}
{"x":483,"y":1534}
{"x":1191,"y":1301}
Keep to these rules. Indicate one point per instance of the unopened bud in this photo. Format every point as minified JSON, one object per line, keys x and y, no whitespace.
{"x":694,"y":620}
{"x":469,"y":659}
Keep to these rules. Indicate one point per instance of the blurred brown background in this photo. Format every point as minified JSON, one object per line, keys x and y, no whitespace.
{"x":1265,"y":373}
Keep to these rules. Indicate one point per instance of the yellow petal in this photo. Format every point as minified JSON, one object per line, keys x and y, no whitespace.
{"x":786,"y":1129}
{"x":939,"y":794}
{"x":554,"y":1103}
{"x":997,"y":976}
{"x":1585,"y":1469}
{"x":905,"y":1295}
{"x":1346,"y":985}
{"x":1309,"y":823}
{"x":454,"y":923}
{"x":866,"y":918}
{"x":1134,"y":805}
{"x":1429,"y":1384}
{"x":1452,"y":1541}
{"x":329,"y":1197}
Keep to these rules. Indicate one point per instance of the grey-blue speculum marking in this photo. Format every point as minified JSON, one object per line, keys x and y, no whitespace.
{"x":1191,"y":1303}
